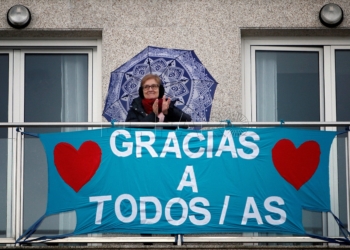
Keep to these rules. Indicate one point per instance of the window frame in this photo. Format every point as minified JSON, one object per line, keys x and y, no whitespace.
{"x":332,"y":78}
{"x":328,"y":45}
{"x":10,"y":148}
{"x":17,"y":49}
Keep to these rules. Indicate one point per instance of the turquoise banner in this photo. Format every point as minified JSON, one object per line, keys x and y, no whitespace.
{"x":227,"y":180}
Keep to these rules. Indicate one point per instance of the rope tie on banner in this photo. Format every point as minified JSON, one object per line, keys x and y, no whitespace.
{"x":112,"y":123}
{"x":26,"y":133}
{"x":281,"y":122}
{"x":229,"y":124}
{"x":23,"y":239}
{"x":344,"y":132}
{"x":343,"y":229}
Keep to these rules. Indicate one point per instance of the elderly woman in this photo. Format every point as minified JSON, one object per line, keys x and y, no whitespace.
{"x":153,"y":106}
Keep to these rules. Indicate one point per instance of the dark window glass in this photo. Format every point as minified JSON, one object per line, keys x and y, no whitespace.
{"x":4,"y":87}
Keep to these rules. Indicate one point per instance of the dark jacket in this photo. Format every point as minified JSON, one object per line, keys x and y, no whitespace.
{"x":137,"y":113}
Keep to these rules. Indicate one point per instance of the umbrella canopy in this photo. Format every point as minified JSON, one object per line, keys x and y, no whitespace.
{"x":184,"y":78}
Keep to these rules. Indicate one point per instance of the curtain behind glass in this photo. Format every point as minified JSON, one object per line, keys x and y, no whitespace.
{"x":55,"y":91}
{"x":5,"y":204}
{"x":266,"y":86}
{"x":74,"y":80}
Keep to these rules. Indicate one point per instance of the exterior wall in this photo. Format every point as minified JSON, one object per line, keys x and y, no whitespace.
{"x":213,"y":28}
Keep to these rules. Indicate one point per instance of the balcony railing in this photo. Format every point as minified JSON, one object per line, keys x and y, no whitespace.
{"x":226,"y":123}
{"x":15,"y":167}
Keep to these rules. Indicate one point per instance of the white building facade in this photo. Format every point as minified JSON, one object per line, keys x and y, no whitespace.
{"x":274,"y":60}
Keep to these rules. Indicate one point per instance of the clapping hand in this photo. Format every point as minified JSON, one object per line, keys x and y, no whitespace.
{"x":165,"y":105}
{"x":155,"y":107}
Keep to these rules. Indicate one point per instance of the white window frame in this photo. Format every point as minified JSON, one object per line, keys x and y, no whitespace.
{"x":20,"y":98}
{"x":17,"y":49}
{"x":64,"y":46}
{"x":328,"y":45}
{"x":252,"y":107}
{"x":332,"y":79}
{"x":10,"y":148}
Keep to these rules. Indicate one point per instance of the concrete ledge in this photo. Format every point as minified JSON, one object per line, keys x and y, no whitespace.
{"x":169,"y":246}
{"x":51,"y":33}
{"x":301,"y":32}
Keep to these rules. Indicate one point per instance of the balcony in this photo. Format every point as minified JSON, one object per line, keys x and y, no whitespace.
{"x":23,"y":184}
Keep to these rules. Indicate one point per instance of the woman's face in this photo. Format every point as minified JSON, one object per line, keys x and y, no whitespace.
{"x":150,"y":89}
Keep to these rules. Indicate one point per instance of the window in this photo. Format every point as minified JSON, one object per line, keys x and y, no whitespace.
{"x":288,"y":84}
{"x":303,"y":80}
{"x":45,"y":81}
{"x":55,"y":90}
{"x":288,"y":87}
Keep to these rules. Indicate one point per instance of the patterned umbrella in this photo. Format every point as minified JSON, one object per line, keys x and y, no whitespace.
{"x":184,"y":77}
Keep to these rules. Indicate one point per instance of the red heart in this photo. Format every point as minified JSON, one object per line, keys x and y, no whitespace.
{"x":296,"y":165}
{"x":77,"y":167}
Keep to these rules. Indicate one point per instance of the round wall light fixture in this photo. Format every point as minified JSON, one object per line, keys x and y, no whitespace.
{"x":18,"y":16}
{"x":331,"y":15}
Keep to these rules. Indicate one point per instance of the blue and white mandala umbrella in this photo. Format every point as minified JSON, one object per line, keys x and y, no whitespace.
{"x":184,"y":77}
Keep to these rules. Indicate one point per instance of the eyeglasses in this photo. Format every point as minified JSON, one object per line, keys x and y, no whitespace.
{"x":153,"y":86}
